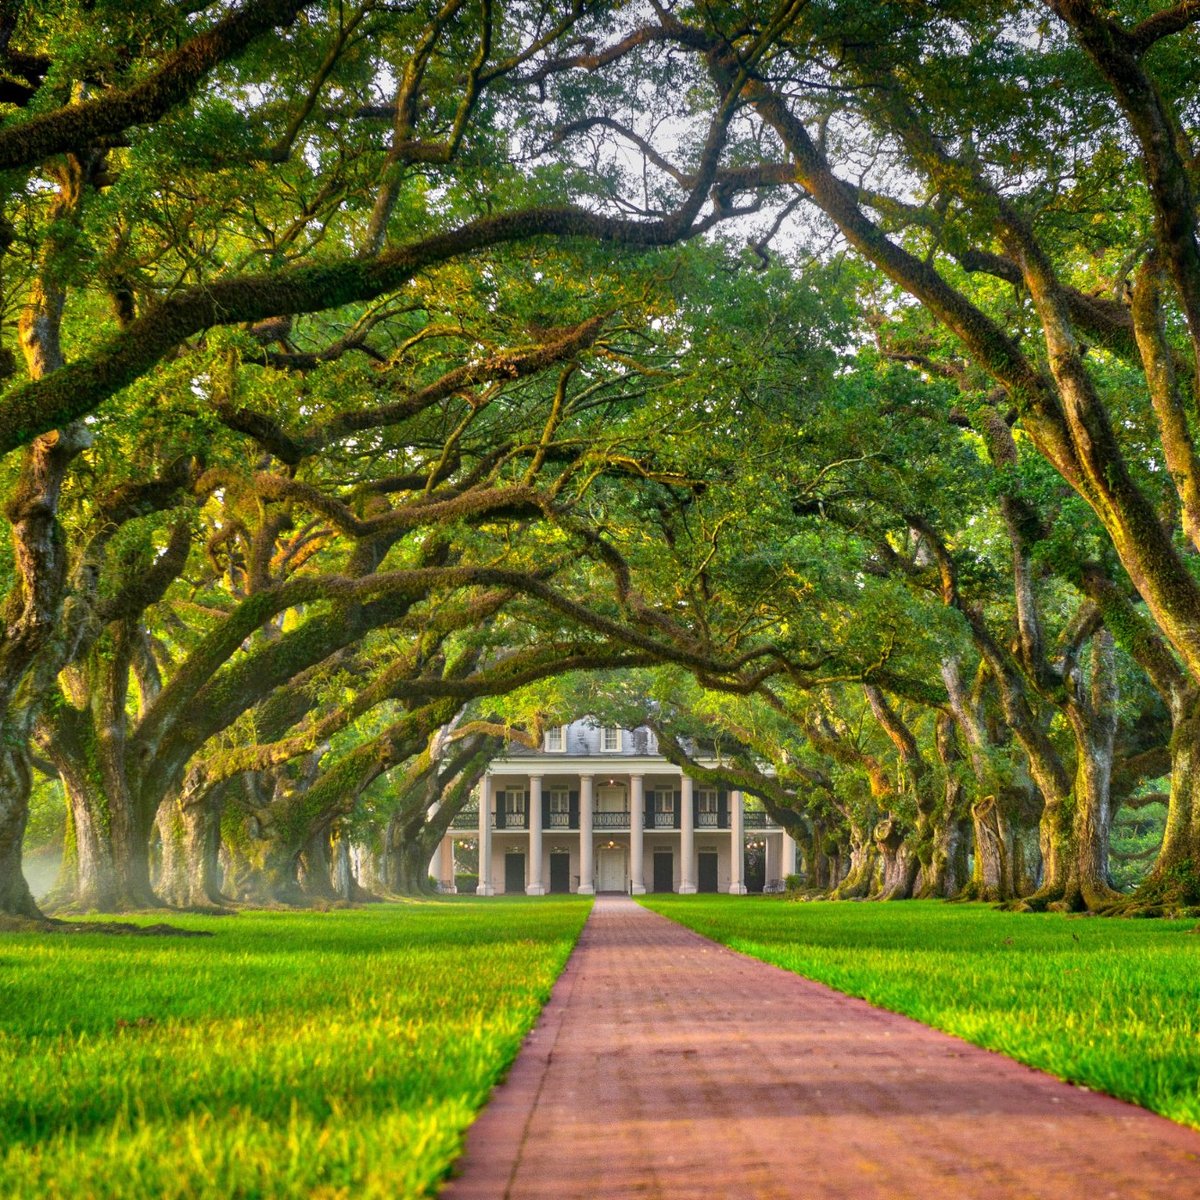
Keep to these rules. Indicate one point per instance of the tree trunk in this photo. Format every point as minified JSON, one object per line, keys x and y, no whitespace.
{"x":16,"y":900}
{"x":412,"y":872}
{"x":1088,"y":884}
{"x":371,"y":877}
{"x":265,"y":873}
{"x":1173,"y":885}
{"x":992,"y":877}
{"x":1074,"y":830}
{"x":944,"y":853}
{"x":817,"y":873}
{"x":112,"y":848}
{"x":344,"y":884}
{"x":316,"y":868}
{"x":897,"y":858}
{"x":191,"y":842}
{"x":861,"y":875}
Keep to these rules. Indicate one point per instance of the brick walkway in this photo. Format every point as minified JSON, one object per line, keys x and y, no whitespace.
{"x":665,"y":1066}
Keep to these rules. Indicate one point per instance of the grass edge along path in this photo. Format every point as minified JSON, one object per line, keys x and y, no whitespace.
{"x":1109,"y":1005}
{"x":292,"y":1054}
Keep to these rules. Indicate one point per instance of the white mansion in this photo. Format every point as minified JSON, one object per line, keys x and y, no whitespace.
{"x":598,"y":809}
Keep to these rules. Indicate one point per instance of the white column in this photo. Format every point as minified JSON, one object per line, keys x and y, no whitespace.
{"x":687,"y":838}
{"x":485,"y":887}
{"x":533,"y":871}
{"x":586,"y":871}
{"x":737,"y":844}
{"x":637,"y":814}
{"x":789,"y":855}
{"x":446,"y":865}
{"x":434,"y":870}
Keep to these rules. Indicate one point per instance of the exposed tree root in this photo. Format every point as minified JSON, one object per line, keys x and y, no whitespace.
{"x":118,"y":928}
{"x":1172,"y":892}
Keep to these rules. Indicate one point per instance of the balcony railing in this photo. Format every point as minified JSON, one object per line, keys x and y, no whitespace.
{"x":610,"y":820}
{"x":468,"y":818}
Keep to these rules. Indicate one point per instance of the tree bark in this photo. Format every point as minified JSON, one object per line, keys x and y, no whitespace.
{"x":944,"y":866}
{"x":190,"y":831}
{"x":1173,"y":885}
{"x":15,"y":897}
{"x":316,"y":867}
{"x":860,"y":878}
{"x":897,"y":858}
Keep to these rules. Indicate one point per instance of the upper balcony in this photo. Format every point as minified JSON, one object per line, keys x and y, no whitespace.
{"x":468,"y":818}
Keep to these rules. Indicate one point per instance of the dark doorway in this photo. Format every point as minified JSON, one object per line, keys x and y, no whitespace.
{"x":756,"y":869}
{"x":664,"y":870}
{"x":514,"y":873}
{"x":708,"y":872}
{"x":560,"y":872}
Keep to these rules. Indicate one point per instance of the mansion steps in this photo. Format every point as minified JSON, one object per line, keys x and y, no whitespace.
{"x":598,"y":809}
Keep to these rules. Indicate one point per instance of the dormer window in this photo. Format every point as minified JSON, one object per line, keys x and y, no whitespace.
{"x":610,"y":739}
{"x":556,"y":740}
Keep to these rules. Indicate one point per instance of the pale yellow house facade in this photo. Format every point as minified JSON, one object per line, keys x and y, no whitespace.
{"x":598,"y":809}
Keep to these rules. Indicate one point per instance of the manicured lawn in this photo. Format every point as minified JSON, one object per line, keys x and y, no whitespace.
{"x":1113,"y":1005}
{"x":328,"y":1055}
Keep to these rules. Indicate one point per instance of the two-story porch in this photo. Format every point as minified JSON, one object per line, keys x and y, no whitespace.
{"x":646,"y":827}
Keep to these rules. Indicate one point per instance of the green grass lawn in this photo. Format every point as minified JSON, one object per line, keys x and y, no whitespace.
{"x":335,"y":1054}
{"x":1113,"y":1005}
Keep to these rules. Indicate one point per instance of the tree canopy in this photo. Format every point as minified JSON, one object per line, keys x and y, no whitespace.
{"x":381,"y":383}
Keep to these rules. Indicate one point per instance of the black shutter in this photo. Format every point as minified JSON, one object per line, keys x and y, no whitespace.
{"x":573,"y":807}
{"x":677,"y":810}
{"x":499,"y":810}
{"x":648,"y":807}
{"x":722,"y":808}
{"x":545,"y":810}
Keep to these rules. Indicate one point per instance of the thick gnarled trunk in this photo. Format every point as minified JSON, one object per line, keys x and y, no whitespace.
{"x":1173,"y":885}
{"x":992,"y":878}
{"x":316,"y":868}
{"x":860,"y":878}
{"x":16,"y":900}
{"x":898,"y":861}
{"x":945,"y":852}
{"x":111,"y":868}
{"x":190,"y":835}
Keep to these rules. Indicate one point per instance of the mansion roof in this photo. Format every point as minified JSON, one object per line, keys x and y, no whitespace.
{"x":584,"y":738}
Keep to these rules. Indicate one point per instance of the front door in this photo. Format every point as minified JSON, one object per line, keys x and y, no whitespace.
{"x":610,"y":870}
{"x":514,"y":873}
{"x":664,"y":870}
{"x":756,"y":869}
{"x":708,"y":871}
{"x":560,"y":872}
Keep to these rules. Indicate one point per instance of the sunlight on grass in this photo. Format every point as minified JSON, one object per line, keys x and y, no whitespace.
{"x":327,"y":1055}
{"x":1113,"y":1005}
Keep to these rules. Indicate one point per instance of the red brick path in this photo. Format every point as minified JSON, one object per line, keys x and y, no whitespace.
{"x":666,"y":1066}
